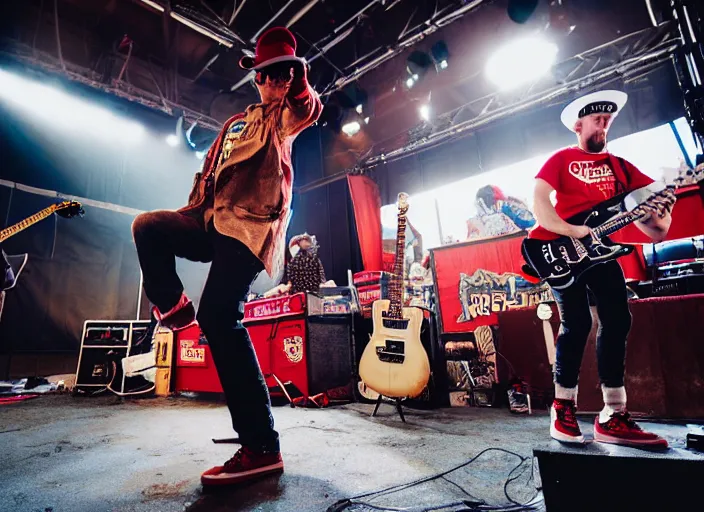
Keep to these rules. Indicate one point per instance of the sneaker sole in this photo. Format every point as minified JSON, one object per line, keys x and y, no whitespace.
{"x":564,"y":438}
{"x":652,"y":443}
{"x":559,"y":436}
{"x":234,"y":478}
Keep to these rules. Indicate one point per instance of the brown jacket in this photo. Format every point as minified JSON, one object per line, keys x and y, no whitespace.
{"x":254,"y":181}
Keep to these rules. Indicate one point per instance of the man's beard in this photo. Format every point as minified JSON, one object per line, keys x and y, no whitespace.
{"x":596,"y":145}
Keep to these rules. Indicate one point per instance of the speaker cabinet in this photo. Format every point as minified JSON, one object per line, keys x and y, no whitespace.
{"x":330,"y":358}
{"x":608,"y":477}
{"x":104,"y":344}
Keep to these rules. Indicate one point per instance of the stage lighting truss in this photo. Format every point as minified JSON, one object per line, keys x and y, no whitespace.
{"x":627,"y":58}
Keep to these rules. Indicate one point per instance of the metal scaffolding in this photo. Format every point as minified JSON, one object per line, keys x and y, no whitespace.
{"x":626,"y":58}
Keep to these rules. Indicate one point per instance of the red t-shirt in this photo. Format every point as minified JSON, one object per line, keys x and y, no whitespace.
{"x":582,"y":180}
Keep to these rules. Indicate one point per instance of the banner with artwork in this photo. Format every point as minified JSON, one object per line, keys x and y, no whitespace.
{"x":476,"y":280}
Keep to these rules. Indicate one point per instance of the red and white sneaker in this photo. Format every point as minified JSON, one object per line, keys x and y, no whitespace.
{"x":621,"y":429}
{"x":244,"y":465}
{"x":179,"y":317}
{"x":563,"y":422}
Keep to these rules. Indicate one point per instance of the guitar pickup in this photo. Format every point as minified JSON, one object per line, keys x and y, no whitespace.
{"x":400,"y":324}
{"x":392,"y":352}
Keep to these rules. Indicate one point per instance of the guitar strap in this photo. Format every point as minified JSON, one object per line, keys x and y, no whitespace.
{"x":621,"y":174}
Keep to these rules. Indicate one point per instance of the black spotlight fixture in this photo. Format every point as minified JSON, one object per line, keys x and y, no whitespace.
{"x":353,"y":97}
{"x":441,"y":55}
{"x":520,"y":11}
{"x":417,"y":66}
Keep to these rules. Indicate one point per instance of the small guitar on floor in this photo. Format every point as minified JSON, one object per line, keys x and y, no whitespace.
{"x":561,"y":261}
{"x":394,"y":363}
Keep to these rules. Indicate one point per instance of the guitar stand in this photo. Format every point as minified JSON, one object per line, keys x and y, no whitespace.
{"x":397,"y":402}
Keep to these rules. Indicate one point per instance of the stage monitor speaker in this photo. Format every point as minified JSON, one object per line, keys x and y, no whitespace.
{"x":608,"y":477}
{"x":103,"y":343}
{"x":329,"y":352}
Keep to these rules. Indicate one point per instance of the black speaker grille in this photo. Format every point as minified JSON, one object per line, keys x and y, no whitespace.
{"x":329,"y":352}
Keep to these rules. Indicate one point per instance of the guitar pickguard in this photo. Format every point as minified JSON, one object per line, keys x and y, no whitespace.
{"x":393,"y":351}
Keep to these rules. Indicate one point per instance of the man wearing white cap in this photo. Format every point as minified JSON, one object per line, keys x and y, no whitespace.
{"x":581,"y":177}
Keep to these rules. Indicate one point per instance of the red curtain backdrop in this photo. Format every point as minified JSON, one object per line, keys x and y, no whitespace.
{"x":500,"y":255}
{"x":366,"y":201}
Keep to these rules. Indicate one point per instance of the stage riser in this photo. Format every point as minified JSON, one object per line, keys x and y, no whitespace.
{"x":602,"y":482}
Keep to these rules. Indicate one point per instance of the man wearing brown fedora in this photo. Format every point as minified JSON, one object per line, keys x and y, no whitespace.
{"x":237,"y":215}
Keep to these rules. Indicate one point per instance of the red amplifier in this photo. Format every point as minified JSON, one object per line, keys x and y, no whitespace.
{"x":195,"y":368}
{"x":371,"y":286}
{"x":277,"y":328}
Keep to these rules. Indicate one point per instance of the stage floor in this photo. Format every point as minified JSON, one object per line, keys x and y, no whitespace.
{"x":62,"y":453}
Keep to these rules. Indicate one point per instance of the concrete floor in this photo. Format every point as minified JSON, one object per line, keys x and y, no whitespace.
{"x":62,"y":453}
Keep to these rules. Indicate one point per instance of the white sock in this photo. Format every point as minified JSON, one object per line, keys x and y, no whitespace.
{"x":614,"y":401}
{"x":563,"y":393}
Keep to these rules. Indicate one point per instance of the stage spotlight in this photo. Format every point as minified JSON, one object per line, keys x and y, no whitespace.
{"x":366,"y":120}
{"x":352,"y":97}
{"x":70,"y":114}
{"x":352,"y":128}
{"x":359,"y":108}
{"x":172,"y":140}
{"x":520,"y":11}
{"x":440,"y":55}
{"x":417,"y":65}
{"x":520,"y":62}
{"x":424,"y":111}
{"x":410,"y":82}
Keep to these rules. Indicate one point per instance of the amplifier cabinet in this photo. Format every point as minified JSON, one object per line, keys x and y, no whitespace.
{"x":330,"y":357}
{"x":102,"y":343}
{"x":313,"y":353}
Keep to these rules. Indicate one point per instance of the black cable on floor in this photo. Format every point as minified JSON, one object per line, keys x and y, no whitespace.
{"x":342,"y":505}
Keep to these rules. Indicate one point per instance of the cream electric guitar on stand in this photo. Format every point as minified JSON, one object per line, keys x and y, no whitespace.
{"x":395,"y":363}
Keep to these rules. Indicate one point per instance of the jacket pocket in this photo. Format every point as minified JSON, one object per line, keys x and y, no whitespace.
{"x":245,"y":214}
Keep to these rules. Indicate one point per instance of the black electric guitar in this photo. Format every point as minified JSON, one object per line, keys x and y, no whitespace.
{"x":561,"y":261}
{"x":13,"y":265}
{"x":66,"y":209}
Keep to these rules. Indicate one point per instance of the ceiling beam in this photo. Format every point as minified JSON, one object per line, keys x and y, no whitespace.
{"x":268,"y":23}
{"x":190,"y":24}
{"x":438,"y":21}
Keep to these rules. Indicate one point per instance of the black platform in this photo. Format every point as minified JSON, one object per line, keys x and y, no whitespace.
{"x":607,"y":477}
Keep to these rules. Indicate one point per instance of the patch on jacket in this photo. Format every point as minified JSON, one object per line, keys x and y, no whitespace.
{"x":234,"y":132}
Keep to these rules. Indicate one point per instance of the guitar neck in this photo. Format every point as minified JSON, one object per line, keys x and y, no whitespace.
{"x":622,"y":221}
{"x":618,"y":223}
{"x":20,"y":226}
{"x":396,"y":284}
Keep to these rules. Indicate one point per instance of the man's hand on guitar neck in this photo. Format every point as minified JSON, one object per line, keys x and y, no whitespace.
{"x":580,"y":232}
{"x":658,"y":222}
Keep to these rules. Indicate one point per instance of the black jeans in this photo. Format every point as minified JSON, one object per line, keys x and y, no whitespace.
{"x":608,"y":286}
{"x":160,"y":237}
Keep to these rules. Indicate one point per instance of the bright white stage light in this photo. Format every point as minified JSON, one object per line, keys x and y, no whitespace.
{"x":520,"y":62}
{"x":366,"y":120}
{"x":410,"y":82}
{"x":359,"y":109}
{"x":66,"y":111}
{"x":200,"y":155}
{"x":172,"y":140}
{"x":443,"y":64}
{"x":424,"y":112}
{"x":351,"y":128}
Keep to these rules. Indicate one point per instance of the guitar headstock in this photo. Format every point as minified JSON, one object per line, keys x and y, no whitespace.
{"x":402,"y":202}
{"x":690,"y":176}
{"x":69,"y":209}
